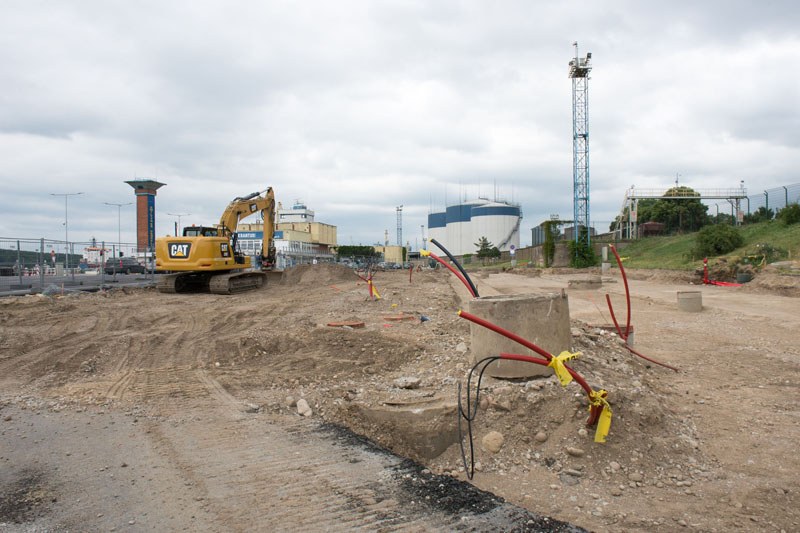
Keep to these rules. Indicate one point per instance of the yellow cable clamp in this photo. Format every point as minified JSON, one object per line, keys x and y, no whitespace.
{"x":424,"y":253}
{"x":604,"y":422}
{"x":557,"y":364}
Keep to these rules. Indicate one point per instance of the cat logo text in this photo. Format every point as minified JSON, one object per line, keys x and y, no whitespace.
{"x":179,"y":250}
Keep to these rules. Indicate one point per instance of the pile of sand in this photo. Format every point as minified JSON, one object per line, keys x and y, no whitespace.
{"x":320,"y":274}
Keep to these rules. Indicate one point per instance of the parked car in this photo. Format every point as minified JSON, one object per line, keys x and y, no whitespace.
{"x":124,"y":265}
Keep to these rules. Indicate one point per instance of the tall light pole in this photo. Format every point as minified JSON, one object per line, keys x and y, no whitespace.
{"x":119,"y":232}
{"x":66,"y":196}
{"x":179,"y":215}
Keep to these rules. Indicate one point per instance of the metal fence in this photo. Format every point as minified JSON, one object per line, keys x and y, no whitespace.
{"x":774,"y":199}
{"x":31,"y":265}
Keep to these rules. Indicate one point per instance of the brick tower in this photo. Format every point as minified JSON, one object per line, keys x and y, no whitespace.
{"x":145,"y":191}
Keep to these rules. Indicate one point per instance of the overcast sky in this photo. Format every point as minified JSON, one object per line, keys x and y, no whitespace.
{"x":355,"y":108}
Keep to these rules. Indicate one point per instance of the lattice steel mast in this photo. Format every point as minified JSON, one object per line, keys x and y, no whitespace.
{"x":579,"y":69}
{"x":399,"y":225}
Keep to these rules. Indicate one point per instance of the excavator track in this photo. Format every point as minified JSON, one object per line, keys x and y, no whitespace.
{"x":236,"y":282}
{"x":184,"y":282}
{"x":224,"y":283}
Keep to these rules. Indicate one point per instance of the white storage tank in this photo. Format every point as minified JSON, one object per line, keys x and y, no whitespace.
{"x":462,"y":225}
{"x":437,"y":228}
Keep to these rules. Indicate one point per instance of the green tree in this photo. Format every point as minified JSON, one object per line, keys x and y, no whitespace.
{"x":761,"y":215}
{"x":356,"y":252}
{"x":790,"y":214}
{"x":484,"y":247}
{"x":723,"y":218}
{"x":551,"y":231}
{"x":686,"y":213}
{"x":581,"y":254}
{"x":717,"y":240}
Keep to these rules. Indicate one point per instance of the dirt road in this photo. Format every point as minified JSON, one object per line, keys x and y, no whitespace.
{"x":142,"y":411}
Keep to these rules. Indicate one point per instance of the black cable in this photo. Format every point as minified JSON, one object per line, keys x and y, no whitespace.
{"x":458,"y":265}
{"x":470,"y":415}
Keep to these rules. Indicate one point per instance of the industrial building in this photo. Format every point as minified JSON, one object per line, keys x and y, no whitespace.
{"x":460,"y":226}
{"x":298,"y":239}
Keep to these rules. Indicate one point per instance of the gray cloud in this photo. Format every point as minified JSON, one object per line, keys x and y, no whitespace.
{"x":357,"y":107}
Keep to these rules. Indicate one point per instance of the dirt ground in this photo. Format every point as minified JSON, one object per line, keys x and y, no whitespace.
{"x":170,"y":383}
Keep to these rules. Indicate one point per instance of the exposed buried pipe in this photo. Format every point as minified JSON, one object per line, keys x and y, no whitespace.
{"x":712,"y":282}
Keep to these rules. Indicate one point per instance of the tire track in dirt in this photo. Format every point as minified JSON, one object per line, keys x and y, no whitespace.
{"x":303,"y":477}
{"x":120,"y":386}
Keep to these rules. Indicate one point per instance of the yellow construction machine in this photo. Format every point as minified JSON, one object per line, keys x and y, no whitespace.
{"x":208,"y":259}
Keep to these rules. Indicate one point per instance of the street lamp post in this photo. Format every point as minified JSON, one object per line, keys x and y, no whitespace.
{"x":66,"y":224}
{"x":179,"y":215}
{"x":119,"y":218}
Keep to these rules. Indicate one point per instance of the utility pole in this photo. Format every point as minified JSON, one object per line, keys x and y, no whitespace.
{"x":66,"y":224}
{"x":119,"y":218}
{"x":178,"y":223}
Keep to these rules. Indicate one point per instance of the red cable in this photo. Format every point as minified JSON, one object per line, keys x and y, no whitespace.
{"x":594,"y":410}
{"x":454,"y":271}
{"x":531,"y":359}
{"x":718,"y":283}
{"x":676,"y":369}
{"x":524,"y":342}
{"x":614,"y":318}
{"x":627,"y":292}
{"x":627,"y":329}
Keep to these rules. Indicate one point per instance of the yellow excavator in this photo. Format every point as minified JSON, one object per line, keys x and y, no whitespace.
{"x":207,"y":259}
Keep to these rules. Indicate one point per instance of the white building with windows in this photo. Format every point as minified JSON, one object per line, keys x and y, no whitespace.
{"x":298,"y":213}
{"x":298,"y":238}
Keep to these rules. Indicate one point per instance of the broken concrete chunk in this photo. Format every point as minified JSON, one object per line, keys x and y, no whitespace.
{"x":407,"y":382}
{"x":493,"y":441}
{"x":500,"y":404}
{"x":575,"y":452}
{"x":635,"y":476}
{"x":303,"y":408}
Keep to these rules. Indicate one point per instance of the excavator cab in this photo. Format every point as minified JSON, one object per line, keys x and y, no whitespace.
{"x":200,"y":231}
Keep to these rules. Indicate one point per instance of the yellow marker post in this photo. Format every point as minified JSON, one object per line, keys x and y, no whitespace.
{"x":603,"y":425}
{"x":604,"y":422}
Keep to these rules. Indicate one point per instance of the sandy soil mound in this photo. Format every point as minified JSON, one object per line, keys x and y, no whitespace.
{"x":321,"y":274}
{"x":783,"y":284}
{"x":663,"y":275}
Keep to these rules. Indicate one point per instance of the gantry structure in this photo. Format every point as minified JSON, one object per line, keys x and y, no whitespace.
{"x":627,"y":223}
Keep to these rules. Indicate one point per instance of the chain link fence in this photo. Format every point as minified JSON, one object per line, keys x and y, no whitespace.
{"x":32,"y":265}
{"x":771,"y":199}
